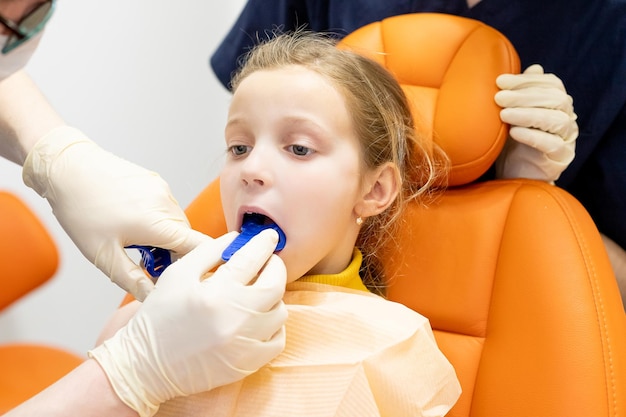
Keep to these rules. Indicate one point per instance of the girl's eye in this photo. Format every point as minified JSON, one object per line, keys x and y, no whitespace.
{"x":300,"y":150}
{"x":238,"y":150}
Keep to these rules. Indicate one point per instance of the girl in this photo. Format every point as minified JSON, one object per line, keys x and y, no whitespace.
{"x":321,"y":142}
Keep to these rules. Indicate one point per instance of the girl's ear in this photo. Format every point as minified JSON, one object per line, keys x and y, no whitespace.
{"x":381,"y":188}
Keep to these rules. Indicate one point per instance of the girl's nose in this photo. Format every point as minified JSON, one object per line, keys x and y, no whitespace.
{"x":256,"y":169}
{"x":256,"y":181}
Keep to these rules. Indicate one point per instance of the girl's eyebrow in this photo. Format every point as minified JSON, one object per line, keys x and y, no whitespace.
{"x":235,"y":123}
{"x":290,"y":120}
{"x":307,"y":123}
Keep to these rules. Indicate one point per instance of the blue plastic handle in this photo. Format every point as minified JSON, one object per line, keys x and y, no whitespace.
{"x":154,"y":260}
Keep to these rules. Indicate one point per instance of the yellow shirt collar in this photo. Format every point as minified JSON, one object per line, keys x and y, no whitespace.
{"x":348,"y":278}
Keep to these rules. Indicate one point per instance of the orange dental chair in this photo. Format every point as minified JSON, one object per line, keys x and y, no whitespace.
{"x":512,"y":274}
{"x":29,"y":259}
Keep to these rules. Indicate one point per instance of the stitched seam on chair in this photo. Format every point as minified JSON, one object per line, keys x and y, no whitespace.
{"x":507,"y":216}
{"x":461,"y":44}
{"x":493,"y":283}
{"x":598,"y":300}
{"x":462,"y":168}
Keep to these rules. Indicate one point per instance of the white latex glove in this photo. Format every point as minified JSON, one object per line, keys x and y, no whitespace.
{"x":105,"y":203}
{"x":543,"y":125}
{"x":192,"y":335}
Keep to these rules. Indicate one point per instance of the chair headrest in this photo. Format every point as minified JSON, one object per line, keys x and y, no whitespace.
{"x":447,"y":66}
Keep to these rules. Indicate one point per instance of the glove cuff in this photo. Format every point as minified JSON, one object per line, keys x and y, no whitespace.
{"x":39,"y":161}
{"x":117,"y":368}
{"x":521,"y":161}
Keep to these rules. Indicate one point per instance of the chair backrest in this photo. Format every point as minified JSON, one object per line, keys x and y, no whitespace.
{"x":29,"y":258}
{"x":447,"y":66}
{"x":512,"y":274}
{"x":28,"y":255}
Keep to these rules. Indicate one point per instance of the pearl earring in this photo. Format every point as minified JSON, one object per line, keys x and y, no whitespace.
{"x":359,"y":221}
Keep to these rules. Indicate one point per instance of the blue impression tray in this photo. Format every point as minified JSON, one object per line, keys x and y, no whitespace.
{"x":253,"y":224}
{"x":154,"y":260}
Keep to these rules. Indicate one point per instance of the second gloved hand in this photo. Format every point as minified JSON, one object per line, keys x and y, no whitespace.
{"x":543,"y":125}
{"x":193,"y":334}
{"x":105,"y":203}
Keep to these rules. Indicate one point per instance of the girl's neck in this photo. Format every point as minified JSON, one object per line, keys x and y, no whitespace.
{"x":472,"y":3}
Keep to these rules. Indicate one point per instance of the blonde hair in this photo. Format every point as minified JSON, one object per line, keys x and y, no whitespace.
{"x":382,"y":120}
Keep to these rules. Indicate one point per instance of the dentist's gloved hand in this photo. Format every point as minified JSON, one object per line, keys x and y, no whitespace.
{"x":193,"y":334}
{"x":105,"y":203}
{"x":543,"y":125}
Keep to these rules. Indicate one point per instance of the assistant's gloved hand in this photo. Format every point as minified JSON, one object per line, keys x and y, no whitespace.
{"x":543,"y":125}
{"x":105,"y":203}
{"x":192,"y":335}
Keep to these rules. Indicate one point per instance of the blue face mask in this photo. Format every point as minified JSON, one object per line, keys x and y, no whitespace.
{"x":17,"y":58}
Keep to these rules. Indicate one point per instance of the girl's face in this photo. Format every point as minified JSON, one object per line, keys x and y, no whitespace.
{"x":293,"y":156}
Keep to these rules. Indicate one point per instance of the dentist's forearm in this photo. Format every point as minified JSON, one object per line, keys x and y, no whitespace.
{"x":84,"y":392}
{"x":25,"y":116}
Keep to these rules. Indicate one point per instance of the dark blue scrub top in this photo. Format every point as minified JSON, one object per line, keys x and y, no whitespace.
{"x":581,"y":41}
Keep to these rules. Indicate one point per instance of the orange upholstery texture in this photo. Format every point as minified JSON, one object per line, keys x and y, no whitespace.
{"x":520,"y":293}
{"x":29,"y":258}
{"x":512,"y":273}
